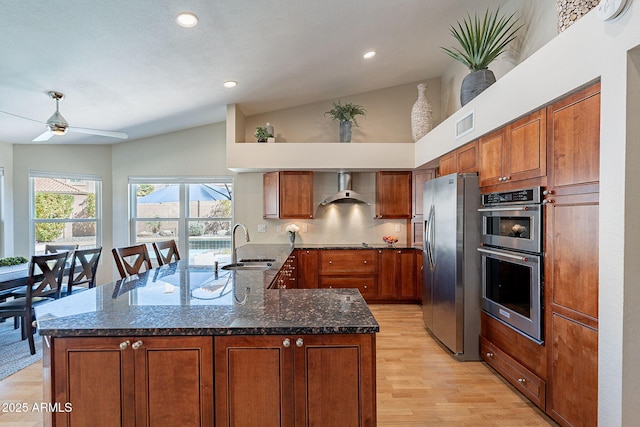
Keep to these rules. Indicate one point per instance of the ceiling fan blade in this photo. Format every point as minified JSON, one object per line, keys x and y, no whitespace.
{"x":22,"y":117}
{"x":44,"y":137}
{"x":108,"y":133}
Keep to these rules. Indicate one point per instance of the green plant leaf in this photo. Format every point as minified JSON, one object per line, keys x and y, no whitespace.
{"x":482,"y":40}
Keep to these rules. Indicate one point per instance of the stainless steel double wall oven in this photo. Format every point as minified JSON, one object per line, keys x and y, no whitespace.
{"x":511,"y":259}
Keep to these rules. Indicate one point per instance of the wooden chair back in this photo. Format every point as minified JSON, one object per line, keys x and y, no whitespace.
{"x":53,"y":249}
{"x":131,"y":259}
{"x":166,"y":252}
{"x":52,"y":267}
{"x":84,"y":265}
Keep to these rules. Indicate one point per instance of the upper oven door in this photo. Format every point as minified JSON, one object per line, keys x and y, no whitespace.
{"x":514,"y":227}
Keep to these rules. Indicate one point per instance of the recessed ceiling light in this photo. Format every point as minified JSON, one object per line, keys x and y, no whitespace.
{"x":369,"y":54}
{"x":230,"y":84}
{"x":187,"y":19}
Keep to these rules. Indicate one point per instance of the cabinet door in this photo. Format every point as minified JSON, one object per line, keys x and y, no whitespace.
{"x":254,"y":381}
{"x":573,"y":389}
{"x":397,"y":274}
{"x":296,"y":194}
{"x":526,"y":153}
{"x":393,"y":194}
{"x":271,"y":192}
{"x":491,"y":148}
{"x":95,"y":376}
{"x":307,"y":269}
{"x":335,"y":380}
{"x":574,"y":135}
{"x":447,"y":164}
{"x":174,"y":380}
{"x":467,"y":158}
{"x":420,"y":176}
{"x":572,"y":256}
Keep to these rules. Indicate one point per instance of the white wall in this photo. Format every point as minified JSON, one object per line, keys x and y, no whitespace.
{"x":76,"y":159}
{"x":588,"y":50}
{"x":539,"y":21}
{"x":6,"y":203}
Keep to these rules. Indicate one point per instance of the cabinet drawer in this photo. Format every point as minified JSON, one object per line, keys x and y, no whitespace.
{"x":348,"y":261}
{"x":365,"y":284}
{"x":528,"y":383}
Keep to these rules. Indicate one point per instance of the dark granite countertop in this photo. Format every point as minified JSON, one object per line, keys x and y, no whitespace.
{"x":182,"y":299}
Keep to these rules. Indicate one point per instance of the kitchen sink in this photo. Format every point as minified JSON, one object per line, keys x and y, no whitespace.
{"x":253,"y":265}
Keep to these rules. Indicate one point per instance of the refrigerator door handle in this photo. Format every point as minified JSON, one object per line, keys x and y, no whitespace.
{"x":429,"y":237}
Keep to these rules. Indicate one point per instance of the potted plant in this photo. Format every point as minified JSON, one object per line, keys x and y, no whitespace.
{"x":481,"y":41}
{"x":346,"y":113}
{"x":262,"y":134}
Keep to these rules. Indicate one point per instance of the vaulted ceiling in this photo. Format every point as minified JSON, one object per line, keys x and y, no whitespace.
{"x":127,"y":66}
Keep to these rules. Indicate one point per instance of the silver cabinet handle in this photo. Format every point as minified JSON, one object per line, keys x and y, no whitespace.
{"x":522,"y":380}
{"x":489,"y":355}
{"x":286,"y":342}
{"x":330,"y":262}
{"x":124,"y":345}
{"x":299,"y":342}
{"x":547,"y":201}
{"x":365,"y":262}
{"x":136,"y":345}
{"x":365,"y":286}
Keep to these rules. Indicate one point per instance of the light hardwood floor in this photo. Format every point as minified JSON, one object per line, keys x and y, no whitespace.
{"x":419,"y":383}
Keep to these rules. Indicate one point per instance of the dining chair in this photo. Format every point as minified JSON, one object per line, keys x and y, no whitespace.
{"x":166,"y":252}
{"x":131,"y":259}
{"x":52,"y":249}
{"x":51,"y":266}
{"x":82,"y":271}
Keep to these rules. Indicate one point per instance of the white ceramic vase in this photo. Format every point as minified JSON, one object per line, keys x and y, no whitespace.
{"x":421,"y":114}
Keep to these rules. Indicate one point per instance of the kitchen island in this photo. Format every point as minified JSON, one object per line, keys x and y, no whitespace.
{"x":186,"y":345}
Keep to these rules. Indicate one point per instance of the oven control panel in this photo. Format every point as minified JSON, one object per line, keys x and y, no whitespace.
{"x":517,"y":197}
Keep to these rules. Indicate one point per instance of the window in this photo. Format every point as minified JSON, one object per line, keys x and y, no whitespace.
{"x":197,"y":213}
{"x":65,"y":209}
{"x":1,"y":212}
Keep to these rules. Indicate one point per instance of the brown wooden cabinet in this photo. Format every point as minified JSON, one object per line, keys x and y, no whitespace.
{"x":571,"y":261}
{"x":420,"y":176}
{"x":461,"y":160}
{"x":515,"y":152}
{"x":287,"y":276}
{"x":295,"y":380}
{"x":288,"y":194}
{"x":574,"y":139}
{"x":132,"y":381}
{"x":393,"y":194}
{"x":307,"y":268}
{"x":397,"y":275}
{"x":349,"y":268}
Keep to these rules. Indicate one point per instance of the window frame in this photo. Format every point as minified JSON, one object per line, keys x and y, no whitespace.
{"x":183,"y":220}
{"x":65,"y":176}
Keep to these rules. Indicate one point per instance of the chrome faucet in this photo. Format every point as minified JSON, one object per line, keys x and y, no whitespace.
{"x":234,"y":254}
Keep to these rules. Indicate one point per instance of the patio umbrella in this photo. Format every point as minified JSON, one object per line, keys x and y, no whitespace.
{"x":197,"y":192}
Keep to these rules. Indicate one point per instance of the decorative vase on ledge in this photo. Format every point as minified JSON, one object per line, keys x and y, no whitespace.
{"x":345,"y":131}
{"x":475,"y":83}
{"x":421,"y":115}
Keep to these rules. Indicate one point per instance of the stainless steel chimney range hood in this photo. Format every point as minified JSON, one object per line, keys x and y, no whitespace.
{"x":345,"y":193}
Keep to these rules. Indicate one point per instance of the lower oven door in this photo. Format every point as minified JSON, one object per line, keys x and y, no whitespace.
{"x":512,"y":289}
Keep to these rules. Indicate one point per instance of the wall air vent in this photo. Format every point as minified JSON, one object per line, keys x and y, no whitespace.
{"x":465,"y":124}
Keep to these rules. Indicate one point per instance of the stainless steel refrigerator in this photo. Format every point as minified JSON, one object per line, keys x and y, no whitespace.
{"x":451,"y":267}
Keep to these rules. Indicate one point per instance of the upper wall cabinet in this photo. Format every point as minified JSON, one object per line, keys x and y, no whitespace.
{"x":574,"y":139}
{"x":288,"y":194}
{"x":393,"y":194}
{"x":515,"y":152}
{"x":462,"y":160}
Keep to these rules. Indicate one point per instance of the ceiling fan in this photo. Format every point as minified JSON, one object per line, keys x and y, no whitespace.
{"x":57,"y":125}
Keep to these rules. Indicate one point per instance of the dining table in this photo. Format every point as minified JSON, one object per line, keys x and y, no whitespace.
{"x":14,"y":276}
